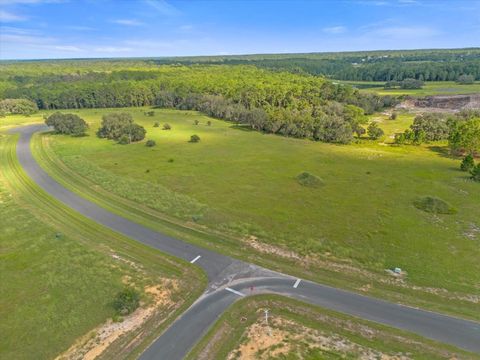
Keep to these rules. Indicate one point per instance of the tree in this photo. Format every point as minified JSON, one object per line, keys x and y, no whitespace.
{"x":18,"y":106}
{"x":120,"y":127}
{"x":194,"y":138}
{"x":465,"y":136}
{"x":150,"y":143}
{"x":374,"y":132}
{"x":467,"y":163}
{"x":360,"y":131}
{"x":70,"y":124}
{"x":466,"y":79}
{"x":433,"y":125}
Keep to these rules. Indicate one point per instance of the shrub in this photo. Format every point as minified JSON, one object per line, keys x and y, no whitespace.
{"x":194,"y":138}
{"x":124,"y":140}
{"x":157,"y":124}
{"x":150,"y":143}
{"x":149,"y":113}
{"x":166,"y":126}
{"x":393,"y":116}
{"x":467,"y":163}
{"x":209,"y":123}
{"x":374,"y":132}
{"x":195,"y":122}
{"x":309,"y":180}
{"x":434,"y":205}
{"x":69,"y":124}
{"x":126,"y":301}
{"x":476,"y":173}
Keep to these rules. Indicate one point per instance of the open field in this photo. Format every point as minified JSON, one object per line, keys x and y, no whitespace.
{"x":61,"y":272}
{"x":299,"y":331}
{"x":430,"y":88}
{"x":229,"y":190}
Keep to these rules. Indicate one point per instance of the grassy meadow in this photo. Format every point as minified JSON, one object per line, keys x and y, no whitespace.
{"x":300,"y":331}
{"x":59,"y":272}
{"x":241,"y":185}
{"x":430,"y":88}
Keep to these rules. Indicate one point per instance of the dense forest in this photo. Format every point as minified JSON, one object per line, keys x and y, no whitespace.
{"x":424,"y":65}
{"x":299,"y":105}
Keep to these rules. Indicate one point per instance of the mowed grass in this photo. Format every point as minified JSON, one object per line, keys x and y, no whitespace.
{"x":429,"y":88}
{"x":243,"y":183}
{"x":58,"y":277}
{"x":298,"y":329}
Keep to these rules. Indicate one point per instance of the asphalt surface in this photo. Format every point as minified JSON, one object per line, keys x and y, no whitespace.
{"x":231,"y":279}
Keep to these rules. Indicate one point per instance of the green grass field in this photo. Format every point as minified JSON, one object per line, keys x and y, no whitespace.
{"x":59,"y":276}
{"x":300,"y":331}
{"x":430,"y":88}
{"x":240,"y":185}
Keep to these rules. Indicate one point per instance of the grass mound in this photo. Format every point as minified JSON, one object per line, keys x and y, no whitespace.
{"x":309,"y":180}
{"x":434,"y":205}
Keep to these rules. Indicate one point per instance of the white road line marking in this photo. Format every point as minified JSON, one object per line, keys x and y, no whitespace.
{"x":198,"y":257}
{"x":296,"y":283}
{"x":235,"y":291}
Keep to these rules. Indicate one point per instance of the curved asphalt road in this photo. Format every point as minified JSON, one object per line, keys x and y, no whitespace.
{"x":230,"y":279}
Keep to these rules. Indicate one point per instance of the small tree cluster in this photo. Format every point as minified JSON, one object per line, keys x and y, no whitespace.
{"x":425,"y":127}
{"x":69,"y":124}
{"x":466,"y":79}
{"x":468,"y":165}
{"x":17,"y":106}
{"x":373,"y":131}
{"x":120,"y":127}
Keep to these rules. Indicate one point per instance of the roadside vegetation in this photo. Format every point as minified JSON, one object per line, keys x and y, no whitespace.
{"x":236,"y":201}
{"x":61,"y":276}
{"x":296,"y":330}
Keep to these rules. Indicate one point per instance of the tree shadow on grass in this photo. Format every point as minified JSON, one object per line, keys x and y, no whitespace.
{"x":242,"y":127}
{"x":442,"y":151}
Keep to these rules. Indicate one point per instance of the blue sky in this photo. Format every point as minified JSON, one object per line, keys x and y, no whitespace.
{"x":130,"y":28}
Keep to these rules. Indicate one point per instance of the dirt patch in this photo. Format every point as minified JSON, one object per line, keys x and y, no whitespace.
{"x":284,"y":336}
{"x":98,"y":340}
{"x":441,"y":103}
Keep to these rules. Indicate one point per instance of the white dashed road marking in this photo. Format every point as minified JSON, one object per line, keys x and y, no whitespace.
{"x":235,"y":291}
{"x":198,"y":257}
{"x":296,"y":283}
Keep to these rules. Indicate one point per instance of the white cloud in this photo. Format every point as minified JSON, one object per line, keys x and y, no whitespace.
{"x":127,"y":22}
{"x":163,"y":7}
{"x":80,"y":28}
{"x":6,"y":16}
{"x":335,"y":30}
{"x":112,"y":49}
{"x":404,"y":32}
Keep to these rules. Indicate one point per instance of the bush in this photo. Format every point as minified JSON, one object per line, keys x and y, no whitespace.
{"x":476,"y":173}
{"x":124,"y":140}
{"x":309,"y":180}
{"x":467,"y":163}
{"x":374,"y":132}
{"x":393,"y":116}
{"x":209,"y":123}
{"x":149,"y":113}
{"x":150,"y":143}
{"x":69,"y":124}
{"x":157,"y":124}
{"x":126,"y":301}
{"x":166,"y":126}
{"x":195,"y":122}
{"x":194,"y":138}
{"x":434,"y":205}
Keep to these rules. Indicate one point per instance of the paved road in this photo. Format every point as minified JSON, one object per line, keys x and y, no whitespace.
{"x":231,"y":279}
